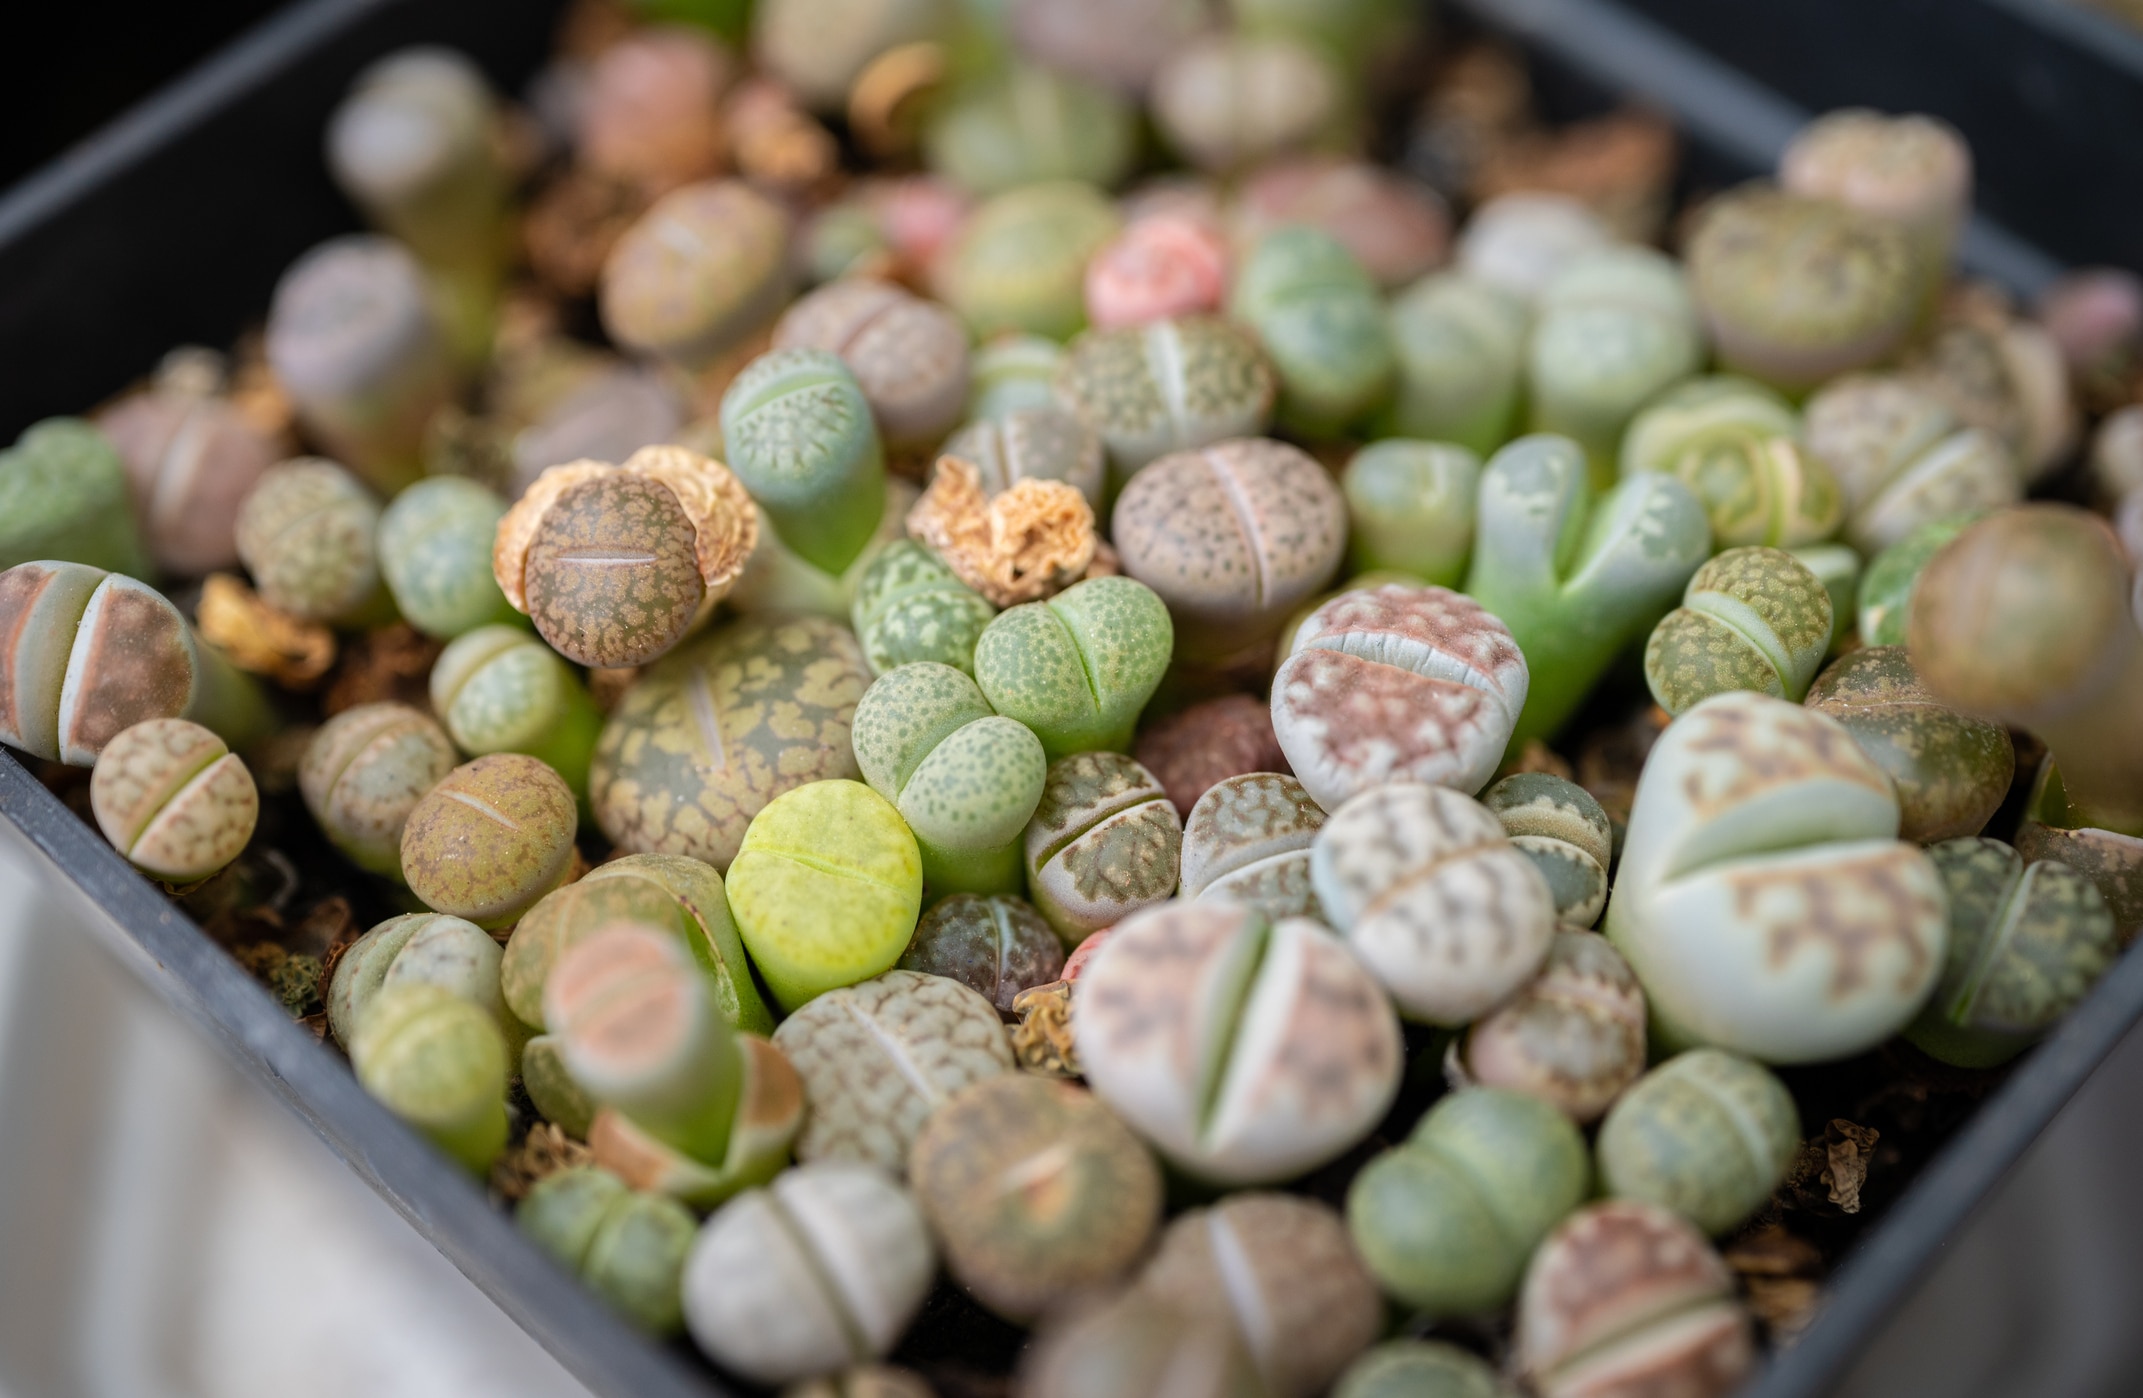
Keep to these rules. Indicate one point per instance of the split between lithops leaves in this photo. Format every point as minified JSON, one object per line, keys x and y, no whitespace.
{"x":1902,"y":459}
{"x":490,"y":839}
{"x":800,"y":436}
{"x":1104,"y":842}
{"x":1614,"y":328}
{"x":439,"y":1062}
{"x":499,"y":689}
{"x":1078,"y":668}
{"x":770,"y":1112}
{"x":173,"y":799}
{"x":1560,"y":827}
{"x":417,"y":949}
{"x":1707,"y":1134}
{"x":996,"y":946}
{"x":1167,"y":386}
{"x":63,"y":495}
{"x":1573,"y":1036}
{"x":626,"y":1246}
{"x":1460,"y":344}
{"x":702,"y":269}
{"x":1044,"y":442}
{"x":1952,"y":770}
{"x":1247,"y":840}
{"x":364,"y":771}
{"x":1751,"y":619}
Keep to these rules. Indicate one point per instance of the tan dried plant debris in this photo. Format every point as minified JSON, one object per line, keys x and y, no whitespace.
{"x":393,"y":662}
{"x":1849,"y":1148}
{"x":259,"y":639}
{"x":774,"y":141}
{"x":1042,"y":1040}
{"x":1029,"y":542}
{"x":543,"y":1152}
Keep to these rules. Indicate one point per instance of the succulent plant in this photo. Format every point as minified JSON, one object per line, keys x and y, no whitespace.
{"x":613,"y":411}
{"x":1575,"y":578}
{"x":439,"y":1063}
{"x":1625,"y":1296}
{"x":434,"y":549}
{"x":908,"y":355}
{"x":1026,"y":124}
{"x":1120,"y":43}
{"x":2002,"y":374}
{"x":1247,"y":840}
{"x":1039,"y":443}
{"x":1612,"y":329}
{"x":1520,"y":242}
{"x":307,"y":534}
{"x":490,"y":838}
{"x":1886,"y":588}
{"x":1952,"y":770}
{"x":1078,"y":668}
{"x":1460,"y":343}
{"x":1763,"y":898}
{"x":499,"y":689}
{"x":1914,"y":171}
{"x":91,"y":653}
{"x":1707,"y":1134}
{"x":996,"y":946}
{"x":1397,"y":683}
{"x":1133,"y":1346}
{"x":63,"y":496}
{"x":647,"y":117}
{"x":415,"y":949}
{"x":2116,"y":457}
{"x":800,"y":437}
{"x":1323,"y":326}
{"x":1244,"y":1051}
{"x":778,"y":581}
{"x":1194,"y":749}
{"x":1751,"y":619}
{"x":769,"y":1113}
{"x":819,"y":1270}
{"x":1410,"y":507}
{"x":1573,"y":1036}
{"x":1837,"y":567}
{"x":1020,"y":260}
{"x":910,"y":607}
{"x":364,"y":771}
{"x":1229,"y":101}
{"x":2111,"y":861}
{"x":1731,"y":442}
{"x":1903,"y":459}
{"x":1394,"y":224}
{"x":627,"y":1247}
{"x":1560,"y":827}
{"x":1162,"y":265}
{"x":173,"y":799}
{"x":820,"y":47}
{"x":1446,"y":1219}
{"x":1012,"y":371}
{"x":2027,"y":942}
{"x":1103,"y":842}
{"x":191,"y":455}
{"x":702,"y":269}
{"x":1419,"y":1369}
{"x":1166,"y":386}
{"x":1035,"y":1190}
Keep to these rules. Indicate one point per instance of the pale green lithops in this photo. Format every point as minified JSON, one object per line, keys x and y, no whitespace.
{"x":1731,"y":442}
{"x":822,"y":1269}
{"x":1410,"y":508}
{"x":698,"y":273}
{"x":1461,"y":345}
{"x":1397,"y":683}
{"x":1028,"y":124}
{"x":1019,"y":262}
{"x":1104,"y":842}
{"x":879,"y":1057}
{"x":1248,"y":841}
{"x":1420,"y":1369}
{"x":1078,"y":668}
{"x":499,"y":689}
{"x":996,"y":946}
{"x":1901,"y":458}
{"x":1884,"y":597}
{"x":1245,"y":1051}
{"x":492,"y":837}
{"x":1560,"y":827}
{"x":964,"y":778}
{"x":1576,"y":578}
{"x":63,"y":495}
{"x":1010,"y":373}
{"x":1573,"y":1036}
{"x":1751,"y":619}
{"x":1448,"y":914}
{"x":2027,"y":943}
{"x":909,"y":355}
{"x":911,"y":607}
{"x":1952,"y":770}
{"x":1519,"y":242}
{"x":306,"y":534}
{"x":1610,"y":331}
{"x":1763,"y":896}
{"x":435,"y":554}
{"x":1322,"y":324}
{"x":414,"y":949}
{"x":1044,"y":442}
{"x":173,"y":799}
{"x":439,"y":1062}
{"x":1706,"y":1134}
{"x":364,"y":771}
{"x":779,"y":581}
{"x":626,"y":1246}
{"x":1167,"y":386}
{"x":799,"y":435}
{"x":1446,"y":1219}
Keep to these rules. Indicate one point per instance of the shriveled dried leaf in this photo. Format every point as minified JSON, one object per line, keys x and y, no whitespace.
{"x":725,"y":525}
{"x":1026,"y":543}
{"x":543,"y":1152}
{"x":259,"y":639}
{"x":1848,"y":1148}
{"x":1042,"y":1040}
{"x":774,"y":141}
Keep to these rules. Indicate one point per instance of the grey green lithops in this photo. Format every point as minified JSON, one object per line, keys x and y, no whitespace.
{"x":1230,"y":100}
{"x":1837,"y":567}
{"x":1078,"y":668}
{"x":1410,"y":508}
{"x":307,"y":535}
{"x":1020,"y":259}
{"x":1042,"y":442}
{"x":1420,"y":1369}
{"x":435,"y":556}
{"x":1752,"y":618}
{"x":63,"y":495}
{"x":996,"y":946}
{"x":1248,"y":841}
{"x":364,"y":771}
{"x":1952,"y":770}
{"x":173,"y":799}
{"x":1611,"y":330}
{"x":1012,"y":371}
{"x":799,"y":435}
{"x":1323,"y":326}
{"x":1103,"y":843}
{"x":490,"y":839}
{"x":1167,"y":386}
{"x":415,"y":949}
{"x":1461,"y":345}
{"x":701,"y":270}
{"x":911,"y":607}
{"x":1902,"y":459}
{"x":1884,"y":597}
{"x":1028,"y":124}
{"x":499,"y":689}
{"x":1706,"y":1134}
{"x":1560,"y":827}
{"x":440,"y":1063}
{"x":626,"y":1246}
{"x":1573,"y":1036}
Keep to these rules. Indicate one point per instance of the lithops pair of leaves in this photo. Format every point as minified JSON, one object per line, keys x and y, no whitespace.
{"x":416,"y":949}
{"x":1020,"y":260}
{"x":1248,"y":841}
{"x":63,"y":496}
{"x":1228,"y":101}
{"x":499,"y":689}
{"x":440,"y":1062}
{"x":2001,"y":373}
{"x":1040,"y":443}
{"x":1460,"y":343}
{"x":1078,"y":668}
{"x":1610,"y":331}
{"x":1751,"y":619}
{"x":626,"y":1246}
{"x":1902,"y":458}
{"x":1707,"y":1134}
{"x":1105,"y":841}
{"x":174,"y":799}
{"x":1166,"y":386}
{"x":490,"y":839}
{"x":1573,"y":1036}
{"x":1560,"y":827}
{"x":703,"y":268}
{"x":908,"y":355}
{"x":1733,"y":443}
{"x":1410,"y":508}
{"x":1027,"y":124}
{"x":191,"y":455}
{"x":910,"y":607}
{"x":1323,"y":327}
{"x":364,"y":771}
{"x":1519,"y":242}
{"x":1952,"y":770}
{"x":1911,"y":170}
{"x":307,"y":533}
{"x":435,"y":543}
{"x":1392,"y":222}
{"x":996,"y":946}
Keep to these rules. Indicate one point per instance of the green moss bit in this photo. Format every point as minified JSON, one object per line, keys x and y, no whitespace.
{"x":911,"y":607}
{"x":1752,"y":618}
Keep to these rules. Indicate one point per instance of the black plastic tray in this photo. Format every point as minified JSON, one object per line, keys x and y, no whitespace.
{"x":172,"y":226}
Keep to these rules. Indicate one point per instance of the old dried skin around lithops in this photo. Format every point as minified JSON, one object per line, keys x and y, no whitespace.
{"x":1707,"y":1134}
{"x":435,"y":543}
{"x":1247,"y":840}
{"x":1020,"y":259}
{"x":1078,"y":668}
{"x":1433,"y":897}
{"x":996,"y":946}
{"x":1021,"y":545}
{"x":1751,"y":619}
{"x":1167,"y":386}
{"x":490,"y":839}
{"x":1902,"y":458}
{"x":1322,"y":324}
{"x":1244,"y":1051}
{"x":1104,"y":842}
{"x":1231,"y":100}
{"x":1460,"y":347}
{"x":415,"y":949}
{"x":1952,"y":770}
{"x":63,"y":495}
{"x":910,"y":607}
{"x":499,"y":689}
{"x":1043,"y":442}
{"x":799,"y":435}
{"x":1027,"y":124}
{"x":1419,"y":1369}
{"x":1612,"y":329}
{"x":307,"y":534}
{"x":701,"y":270}
{"x":909,"y":356}
{"x":1410,"y":507}
{"x":440,"y":1063}
{"x":626,"y":1246}
{"x":364,"y":771}
{"x":191,"y":456}
{"x":1560,"y":827}
{"x":1574,"y":1035}
{"x":173,"y":799}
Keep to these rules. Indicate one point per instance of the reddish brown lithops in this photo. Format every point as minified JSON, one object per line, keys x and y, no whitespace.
{"x":909,"y":355}
{"x":173,"y":799}
{"x":491,"y":839}
{"x":1192,"y":749}
{"x":1574,"y":1035}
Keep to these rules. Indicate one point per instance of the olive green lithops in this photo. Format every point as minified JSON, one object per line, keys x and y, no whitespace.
{"x":1410,"y":508}
{"x":1560,"y":827}
{"x":1460,"y":345}
{"x":908,"y":355}
{"x":1884,"y":597}
{"x":63,"y":495}
{"x":626,"y":1246}
{"x":1706,"y":1134}
{"x":1446,"y":1219}
{"x":1044,"y":442}
{"x":1420,"y":1369}
{"x":799,"y":435}
{"x":435,"y":555}
{"x":1078,"y":668}
{"x":1027,"y":124}
{"x":698,"y":273}
{"x":173,"y":799}
{"x":364,"y":771}
{"x":1574,"y":1035}
{"x":1248,"y":841}
{"x":1104,"y":842}
{"x":1322,"y":324}
{"x":438,"y":1062}
{"x":1732,"y":442}
{"x":1902,"y":458}
{"x":996,"y":946}
{"x":1952,"y":770}
{"x":1612,"y":329}
{"x":307,"y":534}
{"x":415,"y":948}
{"x":492,"y":837}
{"x":1019,"y":262}
{"x":910,"y":607}
{"x":1751,"y":619}
{"x":1035,"y":1190}
{"x":1166,"y":386}
{"x":499,"y":689}
{"x":2027,"y":943}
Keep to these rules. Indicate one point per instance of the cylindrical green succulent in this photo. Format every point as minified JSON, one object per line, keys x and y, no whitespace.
{"x":1560,"y":827}
{"x":1706,"y":1134}
{"x":1010,"y":372}
{"x":1247,"y":840}
{"x":1573,"y":1036}
{"x":435,"y":555}
{"x":1885,"y":593}
{"x":1612,"y":330}
{"x":173,"y":799}
{"x":499,"y":689}
{"x":628,"y":1247}
{"x":910,"y":607}
{"x":1167,"y":386}
{"x":996,"y":946}
{"x":1042,"y":442}
{"x":1410,"y":507}
{"x":439,"y":1063}
{"x":1902,"y":459}
{"x":701,"y":270}
{"x":416,"y":949}
{"x":800,"y":436}
{"x":1752,"y":618}
{"x":1420,"y":1369}
{"x":909,"y":355}
{"x":1027,"y":124}
{"x":308,"y":535}
{"x":1020,"y":260}
{"x":1232,"y":100}
{"x":492,"y":837}
{"x":1461,"y":346}
{"x":1104,"y":842}
{"x":364,"y":771}
{"x":1323,"y":326}
{"x":63,"y":495}
{"x":1952,"y":770}
{"x":1078,"y":668}
{"x":770,"y":1112}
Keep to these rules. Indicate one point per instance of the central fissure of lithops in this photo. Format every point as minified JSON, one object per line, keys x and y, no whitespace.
{"x":1239,"y":1279}
{"x":483,"y":808}
{"x":1742,"y":619}
{"x":859,"y":1345}
{"x":1253,"y":538}
{"x":1125,"y":802}
{"x":1635,"y":1329}
{"x":1234,"y":992}
{"x":625,"y":558}
{"x":1406,"y":653}
{"x":896,"y":1052}
{"x":1993,"y":949}
{"x":1164,"y":360}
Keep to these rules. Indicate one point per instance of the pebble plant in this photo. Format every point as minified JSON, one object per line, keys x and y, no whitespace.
{"x":1393,"y":223}
{"x":1029,"y":125}
{"x":1952,"y":770}
{"x":697,"y":273}
{"x":499,"y":689}
{"x":1247,"y":840}
{"x":1420,"y":1369}
{"x":440,"y":1063}
{"x":1011,"y":372}
{"x":1750,"y":619}
{"x":1104,"y":842}
{"x":1230,"y":101}
{"x":1902,"y":459}
{"x":1610,"y":331}
{"x":63,"y":496}
{"x":1560,"y":827}
{"x":1163,"y":264}
{"x":908,"y":355}
{"x":628,"y":1247}
{"x":1706,"y":1134}
{"x":1573,"y":1036}
{"x":1460,"y":346}
{"x":1078,"y":668}
{"x":490,"y":839}
{"x":1519,"y":242}
{"x":1410,"y":509}
{"x":1914,"y":171}
{"x":363,"y":772}
{"x":415,"y":949}
{"x":800,"y":437}
{"x":1322,"y":324}
{"x":308,"y":533}
{"x":1019,"y":262}
{"x":910,"y":607}
{"x":1732,"y":443}
{"x":191,"y":455}
{"x":1166,"y":386}
{"x":996,"y":946}
{"x":173,"y":799}
{"x":1042,"y":443}
{"x":434,"y":549}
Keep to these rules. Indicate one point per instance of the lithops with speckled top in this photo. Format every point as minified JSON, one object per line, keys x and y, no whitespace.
{"x":1420,"y":1369}
{"x":908,"y":355}
{"x":1168,"y":386}
{"x":1231,"y":100}
{"x":965,"y":778}
{"x":1104,"y":842}
{"x":626,"y":1246}
{"x":1707,"y":1134}
{"x":1430,"y":893}
{"x":1751,"y":619}
{"x":439,"y":1062}
{"x":996,"y":946}
{"x":416,"y":948}
{"x":2027,"y":943}
{"x":1560,"y":827}
{"x":1732,"y":442}
{"x":910,"y":607}
{"x":1028,"y":123}
{"x":490,"y":839}
{"x":435,"y":543}
{"x":706,"y":737}
{"x":1233,"y":537}
{"x":1951,"y":770}
{"x":698,"y":273}
{"x":306,"y":534}
{"x":1045,"y":443}
{"x":1397,"y":683}
{"x":1573,"y":1035}
{"x":799,"y":435}
{"x":2003,"y":374}
{"x":63,"y":495}
{"x":1322,"y":324}
{"x":1911,"y":170}
{"x":1576,"y":577}
{"x":1245,"y":1051}
{"x":1460,"y":344}
{"x":499,"y":689}
{"x":173,"y":799}
{"x":1020,"y":260}
{"x":363,"y":773}
{"x":1410,"y":508}
{"x":1078,"y":668}
{"x":1763,"y":896}
{"x":191,"y":455}
{"x":1901,"y":458}
{"x":1248,"y":841}
{"x":1613,"y":329}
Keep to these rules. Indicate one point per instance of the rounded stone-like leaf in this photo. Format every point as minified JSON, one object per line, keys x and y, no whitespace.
{"x":1030,"y":124}
{"x":1706,"y":1134}
{"x":415,"y":948}
{"x":1167,"y":386}
{"x":1078,"y":668}
{"x":996,"y":946}
{"x":1231,"y":100}
{"x":1613,"y":328}
{"x":1952,"y":770}
{"x":1420,"y":1369}
{"x":490,"y":839}
{"x":435,"y":543}
{"x":1885,"y":593}
{"x":1248,"y":841}
{"x":1461,"y":361}
{"x":439,"y":1063}
{"x":364,"y":772}
{"x":1104,"y":842}
{"x":1042,"y":443}
{"x":612,"y":576}
{"x":63,"y":495}
{"x":911,"y":607}
{"x":798,"y":431}
{"x":1565,"y":832}
{"x":1573,"y":1035}
{"x":1020,"y":259}
{"x":174,"y":799}
{"x":307,"y":535}
{"x":1751,"y":619}
{"x":1323,"y":326}
{"x":699,"y":271}
{"x":1410,"y":508}
{"x":909,"y":355}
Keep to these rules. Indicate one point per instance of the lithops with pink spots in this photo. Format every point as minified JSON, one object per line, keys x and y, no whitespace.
{"x":173,"y":799}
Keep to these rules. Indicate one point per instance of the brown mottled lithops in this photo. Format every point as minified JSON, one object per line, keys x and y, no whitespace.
{"x":909,"y":355}
{"x":701,"y":270}
{"x":1248,"y":841}
{"x":1193,"y":749}
{"x":1168,"y":386}
{"x":490,"y":839}
{"x":1573,"y":1035}
{"x":1706,"y":1134}
{"x":173,"y":799}
{"x":997,"y":946}
{"x":1105,"y":841}
{"x":1952,"y":770}
{"x":1560,"y":827}
{"x":364,"y":771}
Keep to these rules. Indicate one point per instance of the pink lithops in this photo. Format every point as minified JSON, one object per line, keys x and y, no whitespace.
{"x":909,"y":355}
{"x":1395,"y":226}
{"x":1161,"y":265}
{"x":173,"y":799}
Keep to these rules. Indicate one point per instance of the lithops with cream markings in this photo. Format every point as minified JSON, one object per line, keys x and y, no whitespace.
{"x":1902,"y":458}
{"x":414,"y":949}
{"x":1228,"y":101}
{"x":1166,"y":386}
{"x":1248,"y":841}
{"x":1045,"y":442}
{"x":2001,"y":373}
{"x":1763,"y":897}
{"x":1410,"y":508}
{"x":910,"y":607}
{"x":307,"y":533}
{"x":1911,"y":170}
{"x":996,"y":946}
{"x":499,"y":689}
{"x":2027,"y":943}
{"x":1460,"y":343}
{"x":1397,"y":683}
{"x":174,"y":799}
{"x":822,"y":1269}
{"x":1078,"y":668}
{"x":1626,"y":1297}
{"x":1732,"y":442}
{"x":438,"y":1062}
{"x":1036,"y":1192}
{"x":701,"y":270}
{"x":1884,"y":597}
{"x":1751,"y":619}
{"x":1707,"y":1134}
{"x":492,"y":837}
{"x":706,"y":737}
{"x":1025,"y":124}
{"x":364,"y":771}
{"x":626,"y":1246}
{"x":1019,"y":262}
{"x":1560,"y":827}
{"x":1572,"y":1036}
{"x":908,"y":355}
{"x":1322,"y":324}
{"x":1614,"y":328}
{"x":1952,"y":770}
{"x":1519,"y":242}
{"x":1233,"y":537}
{"x":1104,"y":842}
{"x":1446,"y":1219}
{"x":1420,"y":1369}
{"x":1245,"y":1051}
{"x":191,"y":455}
{"x":1165,"y":263}
{"x":63,"y":496}
{"x":435,"y":543}
{"x":1576,"y":577}
{"x":799,"y":435}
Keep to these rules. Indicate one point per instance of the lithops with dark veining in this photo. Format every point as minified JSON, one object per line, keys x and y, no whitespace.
{"x":909,"y":356}
{"x":173,"y":799}
{"x":191,"y":456}
{"x":1044,"y":442}
{"x":1104,"y":842}
{"x":627,"y":1247}
{"x":1613,"y":329}
{"x":63,"y":495}
{"x":1020,"y":260}
{"x":364,"y":771}
{"x":490,"y":839}
{"x":499,"y":689}
{"x":1193,"y":749}
{"x":1420,"y":1369}
{"x":1166,"y":386}
{"x":1560,"y":827}
{"x":1952,"y":770}
{"x":1248,"y":841}
{"x":1322,"y":323}
{"x":1460,"y":344}
{"x":413,"y":949}
{"x":435,"y":543}
{"x":307,"y":535}
{"x":1078,"y":668}
{"x":701,"y":270}
{"x":1232,"y":100}
{"x":1410,"y":508}
{"x":1751,"y":619}
{"x":1902,"y":458}
{"x":1706,"y":1134}
{"x":439,"y":1062}
{"x":996,"y":946}
{"x":1573,"y":1035}
{"x":1732,"y":442}
{"x":799,"y":435}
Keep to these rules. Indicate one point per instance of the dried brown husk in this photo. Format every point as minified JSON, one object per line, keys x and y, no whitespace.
{"x":261,"y":640}
{"x":1024,"y":544}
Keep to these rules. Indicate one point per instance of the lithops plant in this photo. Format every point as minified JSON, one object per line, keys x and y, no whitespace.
{"x":819,"y":48}
{"x":647,"y":116}
{"x":1576,"y":577}
{"x":1233,"y":537}
{"x":1914,"y":171}
{"x":880,"y":1057}
{"x":2112,"y":861}
{"x":415,"y":949}
{"x":1572,"y":1036}
{"x":1460,"y":343}
{"x":707,"y":736}
{"x":626,"y":1246}
{"x":1165,"y":263}
{"x":90,"y":653}
{"x":1020,"y":260}
{"x":438,"y":1062}
{"x":1731,"y":442}
{"x":908,"y":355}
{"x":1520,"y":241}
{"x":191,"y":455}
{"x":1026,"y":124}
{"x":996,"y":946}
{"x":1837,"y":567}
{"x":800,"y":437}
{"x":2002,"y":374}
{"x":1104,"y":842}
{"x":2027,"y":943}
{"x":1750,"y":619}
{"x":1322,"y":324}
{"x":63,"y":496}
{"x":820,"y":1270}
{"x":1763,"y":897}
{"x":1626,"y":1297}
{"x":1195,"y":748}
{"x":1707,"y":1134}
{"x":1884,"y":597}
{"x":1446,"y":1219}
{"x":173,"y":799}
{"x":1281,"y":1270}
{"x":769,"y":1113}
{"x":1901,"y":458}
{"x":615,"y":409}
{"x":1248,"y":841}
{"x":1420,"y":1369}
{"x":1233,"y":100}
{"x":1410,"y":507}
{"x":1560,"y":827}
{"x":910,"y":607}
{"x":1078,"y":668}
{"x":1166,"y":386}
{"x":699,"y":272}
{"x":1045,"y":443}
{"x":1611,"y":330}
{"x":1397,"y":683}
{"x":492,"y":837}
{"x":1133,"y":1346}
{"x":778,"y":581}
{"x":434,"y":547}
{"x":1036,"y":1192}
{"x":307,"y":533}
{"x":1245,"y":1051}
{"x":1394,"y":224}
{"x":1447,"y":914}
{"x":499,"y":689}
{"x":364,"y":771}
{"x":1951,"y":769}
{"x":1011,"y":371}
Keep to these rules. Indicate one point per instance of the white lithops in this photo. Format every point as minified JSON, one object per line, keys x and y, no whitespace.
{"x":1248,"y":841}
{"x":1763,"y":897}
